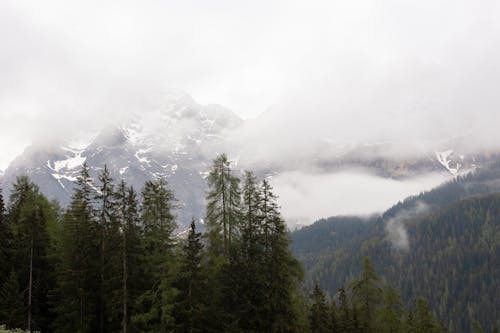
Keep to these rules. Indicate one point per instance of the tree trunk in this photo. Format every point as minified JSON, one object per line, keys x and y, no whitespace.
{"x":30,"y":287}
{"x":125,"y":276}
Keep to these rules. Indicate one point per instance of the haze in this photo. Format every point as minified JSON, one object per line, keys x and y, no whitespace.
{"x":410,"y":72}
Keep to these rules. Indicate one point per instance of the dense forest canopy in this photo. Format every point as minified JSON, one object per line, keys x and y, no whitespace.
{"x":450,"y":253}
{"x":113,"y":261}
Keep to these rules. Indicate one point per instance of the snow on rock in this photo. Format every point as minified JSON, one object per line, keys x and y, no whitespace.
{"x":445,"y":159}
{"x":70,"y":163}
{"x":123,"y":170}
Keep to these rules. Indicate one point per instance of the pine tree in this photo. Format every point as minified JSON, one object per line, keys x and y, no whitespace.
{"x":391,"y":316}
{"x":191,"y":306}
{"x":77,"y":295}
{"x":367,"y":294}
{"x":252,"y":293}
{"x":5,"y":244}
{"x":110,"y":254}
{"x":223,"y":218}
{"x":319,"y":318}
{"x":131,"y":279}
{"x":154,"y":313}
{"x":334,"y":320}
{"x":282,"y":270}
{"x":424,"y":319}
{"x":223,"y":206}
{"x":29,"y":215}
{"x":344,"y":312}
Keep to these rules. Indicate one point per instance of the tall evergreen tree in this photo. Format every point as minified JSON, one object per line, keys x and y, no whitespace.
{"x":5,"y":244}
{"x":344,"y":316}
{"x":109,"y":254}
{"x":334,"y":317}
{"x":391,"y":315}
{"x":367,"y":295}
{"x":223,"y":206}
{"x":191,"y":306}
{"x":29,"y":215}
{"x":424,"y":319}
{"x":77,"y":295}
{"x":252,"y":283}
{"x":282,"y":270}
{"x":319,"y":317}
{"x":154,"y":312}
{"x":128,"y":218}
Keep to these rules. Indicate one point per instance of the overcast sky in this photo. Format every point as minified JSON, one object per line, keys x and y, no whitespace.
{"x":414,"y":73}
{"x":384,"y":70}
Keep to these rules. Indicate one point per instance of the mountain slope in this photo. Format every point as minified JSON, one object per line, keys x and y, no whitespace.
{"x":438,"y":245}
{"x":176,"y":140}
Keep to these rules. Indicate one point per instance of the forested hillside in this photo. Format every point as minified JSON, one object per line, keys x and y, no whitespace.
{"x":111,"y":262}
{"x":438,"y":245}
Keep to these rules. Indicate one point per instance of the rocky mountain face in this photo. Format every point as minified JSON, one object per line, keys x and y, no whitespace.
{"x":178,"y":139}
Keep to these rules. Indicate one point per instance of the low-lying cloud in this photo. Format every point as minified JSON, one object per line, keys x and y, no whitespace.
{"x":396,"y":226}
{"x":305,"y":197}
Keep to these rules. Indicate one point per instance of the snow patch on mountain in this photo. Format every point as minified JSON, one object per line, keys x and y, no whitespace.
{"x":70,"y":163}
{"x":445,"y":158}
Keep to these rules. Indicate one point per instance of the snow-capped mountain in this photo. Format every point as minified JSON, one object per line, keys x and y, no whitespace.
{"x":178,"y":138}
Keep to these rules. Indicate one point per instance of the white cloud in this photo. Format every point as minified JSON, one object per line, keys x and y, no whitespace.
{"x":306,"y":198}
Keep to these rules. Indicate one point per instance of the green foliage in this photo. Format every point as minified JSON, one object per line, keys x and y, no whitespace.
{"x":77,"y":293}
{"x":191,"y":305}
{"x":155,"y":304}
{"x":223,"y":206}
{"x":12,"y":308}
{"x":374,"y":308}
{"x":452,"y":259}
{"x":109,"y":264}
{"x":319,"y":317}
{"x":28,"y":219}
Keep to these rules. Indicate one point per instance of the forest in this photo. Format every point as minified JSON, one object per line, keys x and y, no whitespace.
{"x":114,"y":261}
{"x":452,"y":255}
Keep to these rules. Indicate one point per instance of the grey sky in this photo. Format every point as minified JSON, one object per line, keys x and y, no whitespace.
{"x":359,"y":70}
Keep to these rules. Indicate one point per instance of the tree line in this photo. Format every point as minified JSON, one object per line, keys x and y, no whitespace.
{"x":112,"y":261}
{"x":453,"y":258}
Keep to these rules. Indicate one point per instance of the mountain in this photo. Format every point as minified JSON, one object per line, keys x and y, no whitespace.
{"x":441,"y":244}
{"x":177,"y":139}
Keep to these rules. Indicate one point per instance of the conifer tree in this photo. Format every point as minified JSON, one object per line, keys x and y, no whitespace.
{"x":252,"y":293}
{"x":319,"y":318}
{"x":344,"y":312}
{"x":334,"y":321}
{"x":154,"y":312}
{"x":77,"y":294}
{"x":29,"y":215}
{"x":367,"y":294}
{"x":128,"y":219}
{"x":424,"y":319}
{"x":5,"y":253}
{"x":223,"y":217}
{"x":191,"y":307}
{"x":282,"y":270}
{"x":110,"y":254}
{"x":223,"y":206}
{"x":391,"y":316}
